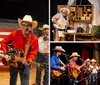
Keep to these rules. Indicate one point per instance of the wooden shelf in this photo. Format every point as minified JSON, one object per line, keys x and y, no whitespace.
{"x":81,"y":12}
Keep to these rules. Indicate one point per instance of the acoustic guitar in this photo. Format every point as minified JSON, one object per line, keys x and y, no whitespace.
{"x":74,"y":72}
{"x":57,"y":74}
{"x":17,"y":58}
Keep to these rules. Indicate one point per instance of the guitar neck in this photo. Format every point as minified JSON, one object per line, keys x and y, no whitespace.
{"x":82,"y":64}
{"x":38,"y":64}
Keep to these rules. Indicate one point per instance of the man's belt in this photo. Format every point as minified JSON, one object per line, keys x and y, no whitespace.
{"x":61,"y":29}
{"x":42,"y":53}
{"x":93,"y":73}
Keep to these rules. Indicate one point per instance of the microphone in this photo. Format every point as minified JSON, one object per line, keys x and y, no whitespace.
{"x":65,"y":54}
{"x":81,"y":59}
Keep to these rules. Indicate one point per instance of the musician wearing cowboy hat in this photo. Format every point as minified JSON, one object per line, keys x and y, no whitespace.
{"x":72,"y":65}
{"x":73,"y":59}
{"x":22,"y":39}
{"x":60,"y":23}
{"x":55,"y":63}
{"x":94,"y":70}
{"x":43,"y":56}
{"x":87,"y":72}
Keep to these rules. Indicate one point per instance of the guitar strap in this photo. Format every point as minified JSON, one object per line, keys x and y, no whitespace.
{"x":27,"y":45}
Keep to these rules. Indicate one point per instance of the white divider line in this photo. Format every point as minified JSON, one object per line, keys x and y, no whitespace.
{"x":5,"y":33}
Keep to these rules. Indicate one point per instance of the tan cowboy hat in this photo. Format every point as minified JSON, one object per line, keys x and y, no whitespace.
{"x":44,"y":26}
{"x":75,"y":54}
{"x":28,"y":18}
{"x":59,"y":48}
{"x":93,"y":60}
{"x":61,"y":9}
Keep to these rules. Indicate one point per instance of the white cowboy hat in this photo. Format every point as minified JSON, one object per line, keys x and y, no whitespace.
{"x":93,"y":60}
{"x":61,"y":9}
{"x":28,"y":18}
{"x":44,"y":26}
{"x":59,"y":48}
{"x":88,"y":60}
{"x":75,"y":54}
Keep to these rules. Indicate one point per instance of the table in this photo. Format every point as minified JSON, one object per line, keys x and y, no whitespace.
{"x":80,"y":36}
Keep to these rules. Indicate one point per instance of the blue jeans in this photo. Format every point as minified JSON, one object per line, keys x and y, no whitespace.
{"x":72,"y":81}
{"x":24,"y":75}
{"x":93,"y":79}
{"x":42,"y":59}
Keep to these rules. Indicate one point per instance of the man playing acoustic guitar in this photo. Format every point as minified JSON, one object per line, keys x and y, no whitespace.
{"x":74,"y":69}
{"x":25,"y":41}
{"x":55,"y":65}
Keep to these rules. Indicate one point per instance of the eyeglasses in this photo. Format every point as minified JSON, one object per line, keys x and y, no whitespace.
{"x":26,"y":25}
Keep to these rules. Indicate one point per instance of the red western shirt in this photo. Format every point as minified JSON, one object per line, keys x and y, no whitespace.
{"x":73,"y":64}
{"x":19,"y":42}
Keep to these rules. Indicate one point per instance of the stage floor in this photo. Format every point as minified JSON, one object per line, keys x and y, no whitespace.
{"x":4,"y":77}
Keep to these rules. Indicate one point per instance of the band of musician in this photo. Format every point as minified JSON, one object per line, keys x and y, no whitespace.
{"x":71,"y":70}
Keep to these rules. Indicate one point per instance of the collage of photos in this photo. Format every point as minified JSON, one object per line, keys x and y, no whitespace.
{"x":50,"y":42}
{"x":75,"y":42}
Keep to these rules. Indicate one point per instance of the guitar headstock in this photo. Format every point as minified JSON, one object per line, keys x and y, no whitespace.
{"x":44,"y":65}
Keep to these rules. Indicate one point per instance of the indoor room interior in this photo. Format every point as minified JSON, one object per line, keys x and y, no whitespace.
{"x":84,"y":25}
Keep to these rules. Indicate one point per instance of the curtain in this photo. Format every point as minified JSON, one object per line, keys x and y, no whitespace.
{"x":72,"y":2}
{"x":86,"y":53}
{"x":96,"y":12}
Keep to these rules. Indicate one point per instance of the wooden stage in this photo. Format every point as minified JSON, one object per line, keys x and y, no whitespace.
{"x":4,"y":77}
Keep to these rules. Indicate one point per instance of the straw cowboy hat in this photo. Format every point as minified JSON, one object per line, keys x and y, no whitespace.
{"x":59,"y":48}
{"x":75,"y":54}
{"x":93,"y":60}
{"x":27,"y":18}
{"x":61,"y":9}
{"x":44,"y":26}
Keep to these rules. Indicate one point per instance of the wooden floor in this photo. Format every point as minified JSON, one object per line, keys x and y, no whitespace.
{"x":4,"y":77}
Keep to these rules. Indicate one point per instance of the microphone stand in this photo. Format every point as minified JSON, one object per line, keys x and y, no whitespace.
{"x":66,"y":56}
{"x":97,"y":78}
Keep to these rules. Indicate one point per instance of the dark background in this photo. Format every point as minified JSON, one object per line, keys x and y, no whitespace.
{"x":74,"y":47}
{"x":83,"y":50}
{"x":14,"y":9}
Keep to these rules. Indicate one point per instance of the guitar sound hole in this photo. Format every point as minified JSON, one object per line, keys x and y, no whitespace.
{"x":21,"y":55}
